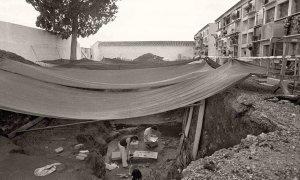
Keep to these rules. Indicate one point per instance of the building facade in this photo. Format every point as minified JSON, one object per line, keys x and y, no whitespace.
{"x":129,"y":50}
{"x":257,"y":28}
{"x":205,"y":41}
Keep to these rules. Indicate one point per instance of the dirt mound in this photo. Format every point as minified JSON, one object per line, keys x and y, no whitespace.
{"x":148,"y":58}
{"x":14,"y":57}
{"x":114,"y":61}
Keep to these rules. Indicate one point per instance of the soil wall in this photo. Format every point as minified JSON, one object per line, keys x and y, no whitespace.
{"x":227,"y":120}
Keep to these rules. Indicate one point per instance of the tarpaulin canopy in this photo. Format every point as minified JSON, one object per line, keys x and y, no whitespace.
{"x":114,"y":64}
{"x":107,"y":79}
{"x":22,"y":92}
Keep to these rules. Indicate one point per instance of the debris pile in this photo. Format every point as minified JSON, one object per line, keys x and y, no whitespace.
{"x":149,"y":57}
{"x":275,"y":155}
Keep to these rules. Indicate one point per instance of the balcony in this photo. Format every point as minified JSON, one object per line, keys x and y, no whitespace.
{"x":272,"y":29}
{"x":249,"y":9}
{"x":259,"y":18}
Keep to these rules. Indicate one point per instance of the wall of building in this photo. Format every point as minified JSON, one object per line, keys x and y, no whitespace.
{"x":205,"y":40}
{"x":211,"y":40}
{"x":33,"y":44}
{"x":132,"y":52}
{"x":257,"y":24}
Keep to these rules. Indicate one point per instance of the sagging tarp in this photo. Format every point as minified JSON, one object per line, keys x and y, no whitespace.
{"x":114,"y":64}
{"x":24,"y":94}
{"x":107,"y":79}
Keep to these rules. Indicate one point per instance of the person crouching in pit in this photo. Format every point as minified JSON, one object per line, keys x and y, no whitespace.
{"x":124,"y":144}
{"x":150,"y":137}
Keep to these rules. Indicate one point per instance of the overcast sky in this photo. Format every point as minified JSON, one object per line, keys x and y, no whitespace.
{"x":137,"y":20}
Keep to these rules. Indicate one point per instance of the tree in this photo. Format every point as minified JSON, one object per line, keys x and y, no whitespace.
{"x":76,"y":18}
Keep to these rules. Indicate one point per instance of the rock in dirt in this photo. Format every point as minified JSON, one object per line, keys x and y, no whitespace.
{"x":78,"y":146}
{"x":59,"y":150}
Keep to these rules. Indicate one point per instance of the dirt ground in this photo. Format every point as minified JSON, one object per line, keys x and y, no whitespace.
{"x":272,"y":155}
{"x":31,"y":150}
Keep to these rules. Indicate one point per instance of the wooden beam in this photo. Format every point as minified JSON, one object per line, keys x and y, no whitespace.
{"x":198,"y":129}
{"x":284,"y":60}
{"x":25,"y":127}
{"x":188,"y":124}
{"x":58,"y":126}
{"x":268,"y":66}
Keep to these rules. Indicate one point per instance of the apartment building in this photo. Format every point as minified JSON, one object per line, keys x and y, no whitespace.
{"x":258,"y":28}
{"x":205,"y":41}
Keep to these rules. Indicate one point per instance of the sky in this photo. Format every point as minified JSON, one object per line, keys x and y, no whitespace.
{"x":137,"y":20}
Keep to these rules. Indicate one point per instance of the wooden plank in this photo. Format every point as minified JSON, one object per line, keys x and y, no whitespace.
{"x":145,"y":155}
{"x":268,"y":66}
{"x":187,"y":127}
{"x":116,"y":156}
{"x":284,"y":60}
{"x":58,"y":126}
{"x":25,"y":127}
{"x":198,"y":129}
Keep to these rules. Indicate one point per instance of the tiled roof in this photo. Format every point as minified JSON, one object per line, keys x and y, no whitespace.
{"x":146,"y":43}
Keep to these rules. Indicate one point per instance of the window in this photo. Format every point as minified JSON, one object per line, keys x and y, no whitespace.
{"x":244,"y":39}
{"x":238,"y":13}
{"x":295,"y":6}
{"x":266,"y":1}
{"x":259,"y":17}
{"x":227,"y":20}
{"x":245,"y":26}
{"x":283,"y":9}
{"x":219,"y":24}
{"x":266,"y":50}
{"x":270,"y":15}
{"x":250,"y":37}
{"x":251,"y":23}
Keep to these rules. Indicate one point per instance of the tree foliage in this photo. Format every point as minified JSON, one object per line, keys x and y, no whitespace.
{"x":79,"y":18}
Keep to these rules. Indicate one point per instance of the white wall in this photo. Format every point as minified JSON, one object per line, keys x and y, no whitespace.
{"x":211,"y":39}
{"x":132,"y":52}
{"x":33,"y":44}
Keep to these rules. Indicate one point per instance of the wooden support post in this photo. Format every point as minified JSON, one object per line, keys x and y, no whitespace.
{"x":25,"y":127}
{"x":188,"y":124}
{"x":273,"y":65}
{"x":299,"y":66}
{"x":297,"y":61}
{"x":58,"y":126}
{"x":260,"y":62}
{"x":198,"y":129}
{"x":284,"y":60}
{"x":268,"y":65}
{"x":295,"y":68}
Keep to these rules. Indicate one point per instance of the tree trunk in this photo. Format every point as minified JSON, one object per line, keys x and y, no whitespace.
{"x":74,"y":39}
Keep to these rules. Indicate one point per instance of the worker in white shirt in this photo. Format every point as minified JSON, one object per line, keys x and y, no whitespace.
{"x":150,"y":137}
